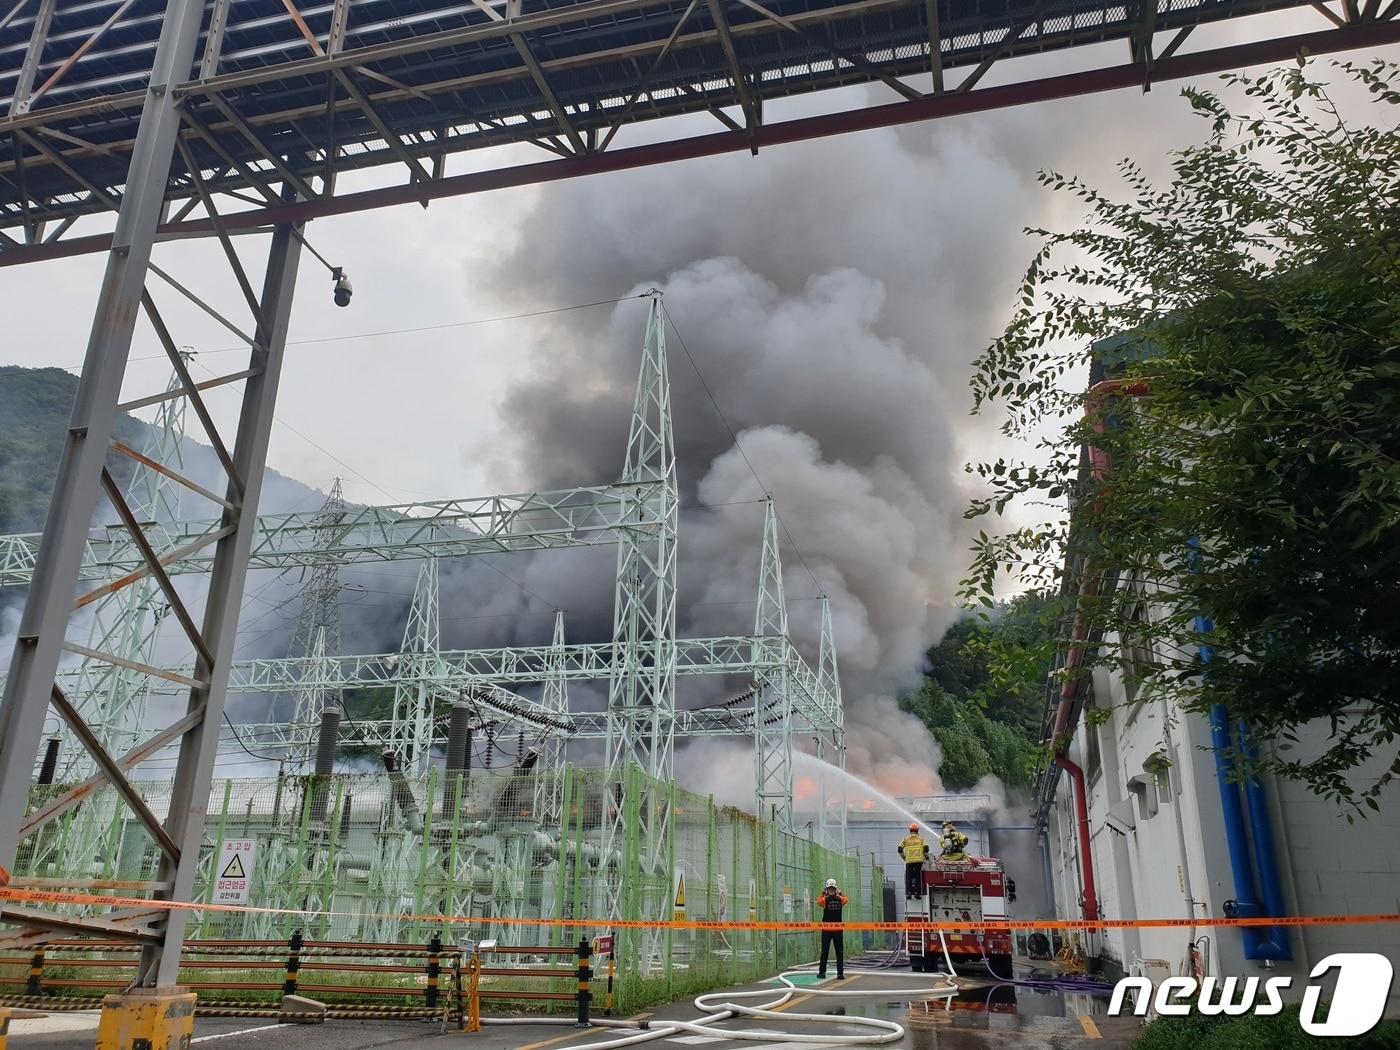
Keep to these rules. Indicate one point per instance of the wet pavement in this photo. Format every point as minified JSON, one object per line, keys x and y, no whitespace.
{"x":982,"y":1015}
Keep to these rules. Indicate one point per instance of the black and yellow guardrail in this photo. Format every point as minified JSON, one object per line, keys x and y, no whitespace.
{"x":62,"y":971}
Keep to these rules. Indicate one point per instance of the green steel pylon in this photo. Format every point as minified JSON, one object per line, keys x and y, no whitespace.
{"x":549,"y":770}
{"x":642,"y":683}
{"x":317,"y":634}
{"x":773,"y":698}
{"x":412,"y":727}
{"x":831,"y":745}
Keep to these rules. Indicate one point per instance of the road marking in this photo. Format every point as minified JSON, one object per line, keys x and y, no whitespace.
{"x":562,"y":1039}
{"x":577,"y":1035}
{"x":67,"y":1021}
{"x":803,"y":998}
{"x":241,"y":1031}
{"x":1090,"y":1029}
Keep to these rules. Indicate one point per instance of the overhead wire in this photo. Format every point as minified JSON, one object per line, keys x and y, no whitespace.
{"x":402,"y":331}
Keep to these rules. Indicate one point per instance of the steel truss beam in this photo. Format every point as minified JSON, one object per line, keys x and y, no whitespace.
{"x":787,"y":47}
{"x":815,"y":696}
{"x":410,"y":531}
{"x":1165,"y":67}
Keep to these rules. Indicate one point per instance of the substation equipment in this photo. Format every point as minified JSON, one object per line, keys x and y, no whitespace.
{"x":130,"y":123}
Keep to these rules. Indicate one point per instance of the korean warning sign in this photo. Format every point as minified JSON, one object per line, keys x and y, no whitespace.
{"x":234,"y":873}
{"x":679,"y":901}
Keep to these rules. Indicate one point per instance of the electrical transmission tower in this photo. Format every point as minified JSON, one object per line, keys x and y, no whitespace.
{"x":112,"y":691}
{"x":641,"y":720}
{"x":317,"y":634}
{"x":773,"y":697}
{"x":831,"y":742}
{"x":415,"y":699}
{"x":549,"y":776}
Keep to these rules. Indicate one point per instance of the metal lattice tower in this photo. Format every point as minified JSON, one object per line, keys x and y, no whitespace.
{"x":642,"y":686}
{"x":551,"y":747}
{"x":127,"y":623}
{"x":415,"y":700}
{"x":773,"y":698}
{"x":113,"y":697}
{"x":317,"y":632}
{"x":831,"y":746}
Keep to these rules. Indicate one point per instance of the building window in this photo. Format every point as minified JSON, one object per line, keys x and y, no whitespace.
{"x":1135,"y":650}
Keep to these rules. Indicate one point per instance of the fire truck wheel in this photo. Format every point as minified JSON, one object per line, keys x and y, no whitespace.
{"x":916,"y":963}
{"x":1001,"y":965}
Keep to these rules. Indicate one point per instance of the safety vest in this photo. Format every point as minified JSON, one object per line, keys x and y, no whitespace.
{"x":832,"y":901}
{"x":914,"y":849}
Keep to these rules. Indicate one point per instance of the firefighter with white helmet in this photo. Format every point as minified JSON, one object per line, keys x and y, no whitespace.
{"x":831,"y":902}
{"x":914,"y":850}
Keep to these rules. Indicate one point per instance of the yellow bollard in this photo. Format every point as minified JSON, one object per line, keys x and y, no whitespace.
{"x":4,"y":1027}
{"x":147,"y":1018}
{"x":473,"y":996}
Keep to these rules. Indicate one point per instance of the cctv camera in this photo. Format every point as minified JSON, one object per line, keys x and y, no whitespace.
{"x":343,"y":291}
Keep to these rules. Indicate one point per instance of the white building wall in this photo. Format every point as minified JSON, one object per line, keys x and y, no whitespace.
{"x":1164,"y":853}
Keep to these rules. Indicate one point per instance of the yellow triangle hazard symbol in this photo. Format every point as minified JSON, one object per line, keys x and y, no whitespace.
{"x":234,"y":868}
{"x":680,"y":890}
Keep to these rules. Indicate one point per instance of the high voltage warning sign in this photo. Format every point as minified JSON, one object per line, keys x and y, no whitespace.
{"x":679,"y":906}
{"x":235,"y":871}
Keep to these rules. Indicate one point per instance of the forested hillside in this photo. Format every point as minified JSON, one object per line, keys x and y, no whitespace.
{"x":35,"y":405}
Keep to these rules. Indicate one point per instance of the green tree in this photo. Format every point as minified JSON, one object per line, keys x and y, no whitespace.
{"x":1247,"y":494}
{"x":982,"y":696}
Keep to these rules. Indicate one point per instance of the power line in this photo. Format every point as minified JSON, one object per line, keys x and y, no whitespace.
{"x":740,"y":448}
{"x":403,"y":331}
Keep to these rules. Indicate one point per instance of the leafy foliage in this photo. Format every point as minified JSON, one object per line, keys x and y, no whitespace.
{"x":1281,"y":1031}
{"x":1245,"y":492}
{"x":982,"y":697}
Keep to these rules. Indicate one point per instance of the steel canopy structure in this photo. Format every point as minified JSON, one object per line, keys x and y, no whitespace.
{"x":285,"y":95}
{"x":213,"y":117}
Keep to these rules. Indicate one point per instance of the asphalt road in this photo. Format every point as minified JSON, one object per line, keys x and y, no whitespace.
{"x":978,"y":1018}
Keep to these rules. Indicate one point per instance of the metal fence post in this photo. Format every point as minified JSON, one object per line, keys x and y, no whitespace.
{"x":35,"y":984}
{"x":434,"y":969}
{"x":585,"y":974}
{"x":612,"y":971}
{"x":294,"y":946}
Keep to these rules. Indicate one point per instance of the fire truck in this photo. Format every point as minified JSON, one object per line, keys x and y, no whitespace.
{"x":972,"y":890}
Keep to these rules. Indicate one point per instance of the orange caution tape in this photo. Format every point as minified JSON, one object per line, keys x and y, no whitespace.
{"x":58,"y":897}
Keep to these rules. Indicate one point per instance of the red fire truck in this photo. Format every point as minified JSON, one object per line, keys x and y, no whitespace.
{"x":962,"y":891}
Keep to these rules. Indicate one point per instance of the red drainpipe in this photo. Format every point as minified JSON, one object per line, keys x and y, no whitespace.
{"x":1086,"y":856}
{"x":1098,"y":467}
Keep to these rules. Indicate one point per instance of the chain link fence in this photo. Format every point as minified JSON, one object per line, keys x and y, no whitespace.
{"x":380,"y":858}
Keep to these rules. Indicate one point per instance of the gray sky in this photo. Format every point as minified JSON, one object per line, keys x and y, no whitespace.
{"x":833,"y":293}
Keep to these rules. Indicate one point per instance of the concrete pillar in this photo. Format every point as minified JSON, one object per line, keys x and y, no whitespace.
{"x":148,"y":1019}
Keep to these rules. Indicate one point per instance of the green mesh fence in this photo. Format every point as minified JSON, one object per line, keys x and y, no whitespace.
{"x":377,"y":858}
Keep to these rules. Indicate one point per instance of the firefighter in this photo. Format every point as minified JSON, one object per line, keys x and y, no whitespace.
{"x":831,"y":902}
{"x":953,"y":843}
{"x":914,"y":850}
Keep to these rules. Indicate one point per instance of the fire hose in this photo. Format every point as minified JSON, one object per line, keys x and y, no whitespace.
{"x":722,"y":1006}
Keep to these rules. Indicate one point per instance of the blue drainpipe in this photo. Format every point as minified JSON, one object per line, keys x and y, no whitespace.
{"x":1260,"y":943}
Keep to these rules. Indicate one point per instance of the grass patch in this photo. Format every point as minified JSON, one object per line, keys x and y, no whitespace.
{"x":1281,"y":1031}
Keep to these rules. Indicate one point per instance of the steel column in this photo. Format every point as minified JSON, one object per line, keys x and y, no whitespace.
{"x":50,"y":600}
{"x":190,"y":795}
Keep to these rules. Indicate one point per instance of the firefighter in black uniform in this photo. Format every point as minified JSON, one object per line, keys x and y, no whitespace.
{"x":831,"y":902}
